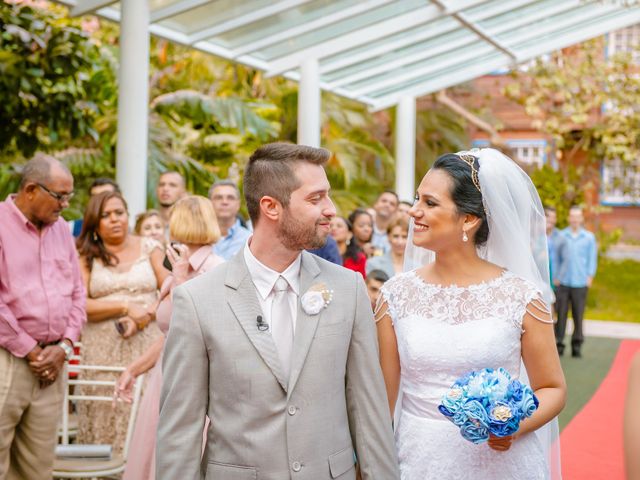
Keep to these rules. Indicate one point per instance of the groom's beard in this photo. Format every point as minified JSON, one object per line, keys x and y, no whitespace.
{"x":296,"y":235}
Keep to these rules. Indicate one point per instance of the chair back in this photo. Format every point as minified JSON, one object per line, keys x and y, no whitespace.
{"x":83,"y":397}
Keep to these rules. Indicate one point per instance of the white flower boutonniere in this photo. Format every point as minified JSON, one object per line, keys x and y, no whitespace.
{"x":316,"y":298}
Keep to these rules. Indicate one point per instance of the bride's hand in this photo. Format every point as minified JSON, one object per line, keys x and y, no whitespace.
{"x":501,"y":444}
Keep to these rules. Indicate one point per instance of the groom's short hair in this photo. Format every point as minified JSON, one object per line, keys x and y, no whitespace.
{"x":270,"y":173}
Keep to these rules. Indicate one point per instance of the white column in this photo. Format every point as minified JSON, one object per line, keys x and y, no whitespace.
{"x":133,"y":104}
{"x":406,"y":148}
{"x":309,"y":104}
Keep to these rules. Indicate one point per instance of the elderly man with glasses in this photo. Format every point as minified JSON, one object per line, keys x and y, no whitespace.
{"x":42,"y":302}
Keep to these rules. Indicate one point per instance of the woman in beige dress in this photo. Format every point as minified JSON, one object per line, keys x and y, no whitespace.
{"x":122,"y":274}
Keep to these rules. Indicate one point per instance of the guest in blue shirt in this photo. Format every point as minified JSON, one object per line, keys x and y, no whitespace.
{"x":555,"y":243}
{"x":225,"y":197}
{"x":577,"y":263}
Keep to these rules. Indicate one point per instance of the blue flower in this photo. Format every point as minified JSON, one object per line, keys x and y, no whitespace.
{"x":515,"y":391}
{"x":476,"y":411}
{"x":476,"y":433}
{"x":529,"y":402}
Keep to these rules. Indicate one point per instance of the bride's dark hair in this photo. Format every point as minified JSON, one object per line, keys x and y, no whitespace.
{"x":465,"y":194}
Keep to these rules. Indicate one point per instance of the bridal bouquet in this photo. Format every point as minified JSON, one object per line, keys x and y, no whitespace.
{"x":488,"y":401}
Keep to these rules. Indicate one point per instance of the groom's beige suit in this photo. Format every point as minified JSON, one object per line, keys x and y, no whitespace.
{"x":264,"y":426}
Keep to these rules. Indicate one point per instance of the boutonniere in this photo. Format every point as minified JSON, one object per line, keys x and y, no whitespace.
{"x":316,"y":298}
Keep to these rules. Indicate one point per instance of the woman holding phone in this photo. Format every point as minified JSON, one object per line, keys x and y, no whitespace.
{"x":193,"y":229}
{"x":122,"y":274}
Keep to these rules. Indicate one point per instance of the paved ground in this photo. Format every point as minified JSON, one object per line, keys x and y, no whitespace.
{"x":621,"y":252}
{"x":599,"y":328}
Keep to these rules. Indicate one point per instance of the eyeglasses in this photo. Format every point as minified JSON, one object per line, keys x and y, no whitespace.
{"x":60,"y":197}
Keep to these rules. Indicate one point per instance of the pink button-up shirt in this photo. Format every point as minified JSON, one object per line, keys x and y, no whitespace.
{"x":42,"y":297}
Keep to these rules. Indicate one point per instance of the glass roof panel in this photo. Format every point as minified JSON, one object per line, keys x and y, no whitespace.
{"x":403,"y":38}
{"x":213,"y":13}
{"x":450,"y":73}
{"x":276,"y":23}
{"x":340,"y":28}
{"x":422,"y":50}
{"x":394,"y":55}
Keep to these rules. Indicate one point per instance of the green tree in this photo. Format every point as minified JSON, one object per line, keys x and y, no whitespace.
{"x":46,"y":63}
{"x":585,"y":102}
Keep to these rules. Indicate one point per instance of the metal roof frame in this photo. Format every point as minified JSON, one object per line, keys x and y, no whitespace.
{"x":378,"y":51}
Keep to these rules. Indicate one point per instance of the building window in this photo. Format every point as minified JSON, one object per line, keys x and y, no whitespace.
{"x":625,"y":40}
{"x":528,"y":152}
{"x":620,"y":183}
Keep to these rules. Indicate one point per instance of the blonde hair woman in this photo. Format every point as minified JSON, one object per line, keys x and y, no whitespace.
{"x":192,"y":223}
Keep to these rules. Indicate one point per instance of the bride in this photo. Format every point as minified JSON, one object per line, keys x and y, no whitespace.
{"x":479,"y":299}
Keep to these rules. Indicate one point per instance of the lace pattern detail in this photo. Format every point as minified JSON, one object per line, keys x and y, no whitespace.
{"x":506,"y":296}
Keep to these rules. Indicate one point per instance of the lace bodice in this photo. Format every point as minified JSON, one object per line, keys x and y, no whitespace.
{"x":444,"y":332}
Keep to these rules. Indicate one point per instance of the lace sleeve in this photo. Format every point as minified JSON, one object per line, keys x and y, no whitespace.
{"x":532,"y":303}
{"x":539,"y":310}
{"x":384,"y":305}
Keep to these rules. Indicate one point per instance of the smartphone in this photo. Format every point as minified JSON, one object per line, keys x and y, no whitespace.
{"x":120,"y":327}
{"x":166,"y":263}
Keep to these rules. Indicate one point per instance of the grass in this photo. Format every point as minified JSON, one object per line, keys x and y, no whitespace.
{"x":614,"y":294}
{"x":584,"y":375}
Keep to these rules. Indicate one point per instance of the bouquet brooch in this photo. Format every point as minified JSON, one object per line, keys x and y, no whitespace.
{"x":488,"y":401}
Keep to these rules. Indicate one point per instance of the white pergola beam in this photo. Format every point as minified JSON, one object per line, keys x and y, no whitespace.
{"x":599,"y":26}
{"x":310,"y":26}
{"x":309,"y":96}
{"x":476,"y":29}
{"x":176,"y":8}
{"x":405,"y":147}
{"x":426,"y":53}
{"x":133,"y":104}
{"x":355,"y":38}
{"x":83,"y":7}
{"x":247,"y":18}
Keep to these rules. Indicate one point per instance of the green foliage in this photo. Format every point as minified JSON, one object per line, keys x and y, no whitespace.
{"x":606,"y":240}
{"x":612,"y":295}
{"x":45,"y":65}
{"x":584,"y":101}
{"x":439,"y":130}
{"x":559,"y":189}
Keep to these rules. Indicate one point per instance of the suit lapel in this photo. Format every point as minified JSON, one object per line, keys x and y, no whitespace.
{"x":244,"y":303}
{"x":306,"y":325}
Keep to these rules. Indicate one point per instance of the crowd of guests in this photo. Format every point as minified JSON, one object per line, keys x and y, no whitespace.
{"x":110,"y":289}
{"x":97,"y":283}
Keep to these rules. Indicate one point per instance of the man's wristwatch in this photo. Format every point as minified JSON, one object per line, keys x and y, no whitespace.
{"x":68,"y":349}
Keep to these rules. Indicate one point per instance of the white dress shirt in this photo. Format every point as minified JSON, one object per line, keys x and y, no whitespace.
{"x":264,"y":278}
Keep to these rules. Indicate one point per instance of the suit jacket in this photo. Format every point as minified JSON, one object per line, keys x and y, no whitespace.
{"x":263,"y":425}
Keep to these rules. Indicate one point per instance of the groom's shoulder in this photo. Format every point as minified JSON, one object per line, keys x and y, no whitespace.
{"x":211,"y":278}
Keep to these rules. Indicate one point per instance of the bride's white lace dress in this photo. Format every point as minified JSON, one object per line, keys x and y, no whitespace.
{"x":443,"y":333}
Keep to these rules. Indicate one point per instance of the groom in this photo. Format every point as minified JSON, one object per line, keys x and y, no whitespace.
{"x":277,"y":347}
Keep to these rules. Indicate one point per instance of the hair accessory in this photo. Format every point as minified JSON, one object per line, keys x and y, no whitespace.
{"x":470,"y":160}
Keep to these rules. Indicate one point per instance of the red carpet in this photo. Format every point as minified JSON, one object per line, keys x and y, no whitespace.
{"x":591,"y":444}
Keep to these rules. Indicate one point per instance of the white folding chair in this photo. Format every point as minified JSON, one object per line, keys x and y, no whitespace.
{"x":94,"y":468}
{"x":72,"y":419}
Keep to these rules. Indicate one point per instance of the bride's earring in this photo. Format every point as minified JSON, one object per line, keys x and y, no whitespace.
{"x":464,"y":236}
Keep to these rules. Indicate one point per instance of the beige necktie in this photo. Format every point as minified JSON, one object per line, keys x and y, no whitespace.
{"x":282,"y":323}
